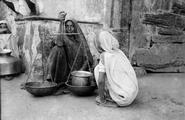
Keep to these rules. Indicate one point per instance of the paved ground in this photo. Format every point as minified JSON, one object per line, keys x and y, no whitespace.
{"x":161,"y":97}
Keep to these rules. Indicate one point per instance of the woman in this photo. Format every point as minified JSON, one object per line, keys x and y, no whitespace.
{"x":77,"y":50}
{"x":57,"y":64}
{"x":115,"y":77}
{"x":62,"y":56}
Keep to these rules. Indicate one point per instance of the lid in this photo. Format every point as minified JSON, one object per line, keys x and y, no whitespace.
{"x":5,"y":51}
{"x":81,"y":73}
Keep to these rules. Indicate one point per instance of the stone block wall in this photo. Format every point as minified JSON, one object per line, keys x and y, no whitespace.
{"x":157,"y":35}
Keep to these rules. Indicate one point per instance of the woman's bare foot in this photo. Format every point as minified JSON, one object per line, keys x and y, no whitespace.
{"x":107,"y":103}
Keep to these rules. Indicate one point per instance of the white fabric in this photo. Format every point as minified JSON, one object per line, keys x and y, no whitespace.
{"x":120,"y":75}
{"x":101,"y":67}
{"x":107,"y":42}
{"x":23,"y":8}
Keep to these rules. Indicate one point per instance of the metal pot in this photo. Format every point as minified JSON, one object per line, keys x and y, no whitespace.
{"x":40,"y":88}
{"x":81,"y":78}
{"x":81,"y":90}
{"x":8,"y":64}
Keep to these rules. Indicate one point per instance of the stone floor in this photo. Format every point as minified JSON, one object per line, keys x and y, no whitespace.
{"x":161,"y":97}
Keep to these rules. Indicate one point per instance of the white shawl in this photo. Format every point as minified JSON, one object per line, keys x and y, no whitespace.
{"x":121,"y":77}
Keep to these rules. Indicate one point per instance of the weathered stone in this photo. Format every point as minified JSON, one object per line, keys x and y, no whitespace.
{"x":159,"y":4}
{"x":162,"y":58}
{"x":122,"y":37}
{"x":178,"y":8}
{"x":3,"y":11}
{"x":126,"y":12}
{"x":168,"y":39}
{"x":4,"y":39}
{"x":179,"y":69}
{"x":140,"y":71}
{"x":163,"y":31}
{"x":165,"y":20}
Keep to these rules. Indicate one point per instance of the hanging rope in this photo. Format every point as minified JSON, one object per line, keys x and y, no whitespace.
{"x":74,"y":61}
{"x":87,"y":57}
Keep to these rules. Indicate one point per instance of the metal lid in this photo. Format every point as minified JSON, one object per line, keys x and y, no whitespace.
{"x":5,"y":52}
{"x":81,"y":73}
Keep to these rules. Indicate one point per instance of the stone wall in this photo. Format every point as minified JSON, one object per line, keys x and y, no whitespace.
{"x":157,"y":35}
{"x":3,"y":11}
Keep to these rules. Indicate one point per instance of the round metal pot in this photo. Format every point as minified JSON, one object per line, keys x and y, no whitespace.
{"x":81,"y":78}
{"x":8,"y":64}
{"x":81,"y":90}
{"x":41,"y":89}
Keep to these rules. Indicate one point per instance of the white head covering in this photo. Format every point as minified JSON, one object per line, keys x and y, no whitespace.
{"x":108,"y":42}
{"x":120,"y":75}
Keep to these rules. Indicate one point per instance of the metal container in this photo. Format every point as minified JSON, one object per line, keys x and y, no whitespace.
{"x":40,"y":88}
{"x":8,"y":64}
{"x":81,"y":90}
{"x":81,"y":78}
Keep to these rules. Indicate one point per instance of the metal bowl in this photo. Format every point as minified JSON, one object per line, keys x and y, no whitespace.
{"x":81,"y":90}
{"x":41,"y":89}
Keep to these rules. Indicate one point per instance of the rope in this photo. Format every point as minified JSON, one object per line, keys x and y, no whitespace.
{"x":31,"y":68}
{"x":87,"y":58}
{"x":31,"y":65}
{"x":74,"y":61}
{"x":43,"y":77}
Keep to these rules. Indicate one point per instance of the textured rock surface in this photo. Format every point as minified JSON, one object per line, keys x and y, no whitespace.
{"x":2,"y":11}
{"x":165,"y":20}
{"x":158,"y":45}
{"x":162,"y":58}
{"x":168,"y":39}
{"x":178,"y":8}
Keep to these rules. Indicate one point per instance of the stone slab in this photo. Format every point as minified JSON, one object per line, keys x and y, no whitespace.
{"x":172,"y":31}
{"x":178,"y":8}
{"x":168,"y":38}
{"x":162,"y":58}
{"x":165,"y":20}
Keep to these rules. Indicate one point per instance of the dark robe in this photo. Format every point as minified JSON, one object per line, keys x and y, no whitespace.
{"x":63,"y":54}
{"x":57,"y":66}
{"x":72,"y":43}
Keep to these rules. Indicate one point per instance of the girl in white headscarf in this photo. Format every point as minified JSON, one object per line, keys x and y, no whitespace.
{"x":115,"y":77}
